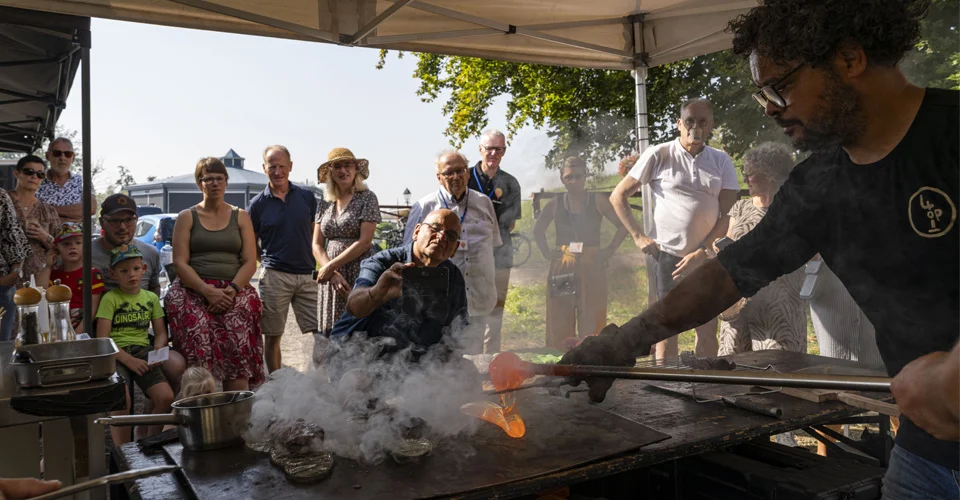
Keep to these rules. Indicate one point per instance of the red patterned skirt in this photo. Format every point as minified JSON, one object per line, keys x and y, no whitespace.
{"x":230,"y":344}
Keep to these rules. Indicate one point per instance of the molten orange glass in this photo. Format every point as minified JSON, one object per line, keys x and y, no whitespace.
{"x":500,"y":415}
{"x":508,"y":371}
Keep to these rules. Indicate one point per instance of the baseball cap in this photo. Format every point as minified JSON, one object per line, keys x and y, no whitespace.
{"x":122,"y":253}
{"x":118,"y":203}
{"x":68,"y":230}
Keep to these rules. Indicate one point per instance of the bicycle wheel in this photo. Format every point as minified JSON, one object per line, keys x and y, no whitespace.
{"x":521,"y":249}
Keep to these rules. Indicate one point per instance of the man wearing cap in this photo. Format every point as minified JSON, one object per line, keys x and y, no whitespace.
{"x":60,"y":187}
{"x":118,"y":218}
{"x":479,"y":235}
{"x":504,"y":191}
{"x":282,"y":217}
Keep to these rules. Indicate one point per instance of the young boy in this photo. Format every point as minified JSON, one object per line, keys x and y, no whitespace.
{"x":69,"y":270}
{"x":125,"y":314}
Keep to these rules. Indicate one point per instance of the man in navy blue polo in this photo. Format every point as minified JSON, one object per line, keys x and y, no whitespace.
{"x":282,"y":218}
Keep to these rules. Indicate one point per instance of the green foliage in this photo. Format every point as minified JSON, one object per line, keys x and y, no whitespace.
{"x":591,"y":112}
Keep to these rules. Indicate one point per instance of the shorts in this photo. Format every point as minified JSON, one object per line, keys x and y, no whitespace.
{"x":152,"y":377}
{"x":278,"y":290}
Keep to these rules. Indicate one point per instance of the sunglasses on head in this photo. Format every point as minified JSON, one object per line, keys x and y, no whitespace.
{"x":58,"y":153}
{"x":29,"y":171}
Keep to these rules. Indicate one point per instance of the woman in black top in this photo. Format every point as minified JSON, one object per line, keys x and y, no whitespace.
{"x":577,"y":281}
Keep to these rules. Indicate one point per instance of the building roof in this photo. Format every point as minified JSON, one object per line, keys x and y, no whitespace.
{"x":232,"y":155}
{"x":238,"y":178}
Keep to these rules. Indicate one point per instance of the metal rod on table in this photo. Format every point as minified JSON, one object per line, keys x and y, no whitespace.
{"x":107,"y":480}
{"x":802,"y":380}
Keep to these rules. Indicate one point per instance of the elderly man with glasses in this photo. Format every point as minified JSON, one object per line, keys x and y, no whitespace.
{"x":60,"y":187}
{"x":479,"y":236}
{"x":504,"y":191}
{"x":693,"y":187}
{"x":377,"y":305}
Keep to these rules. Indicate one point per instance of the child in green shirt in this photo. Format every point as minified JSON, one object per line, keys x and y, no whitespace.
{"x":125,"y":315}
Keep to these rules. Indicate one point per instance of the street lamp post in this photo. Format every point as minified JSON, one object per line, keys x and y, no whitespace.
{"x":406,"y":196}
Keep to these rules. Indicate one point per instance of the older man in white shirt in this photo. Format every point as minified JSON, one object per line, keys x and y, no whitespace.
{"x":479,"y":234}
{"x":694,"y":186}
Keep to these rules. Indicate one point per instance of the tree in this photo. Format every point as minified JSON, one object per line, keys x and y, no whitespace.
{"x":151,"y":178}
{"x":124,"y":178}
{"x":591,"y":112}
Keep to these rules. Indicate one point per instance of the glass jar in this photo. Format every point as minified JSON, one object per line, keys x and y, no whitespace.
{"x":61,"y":325}
{"x":29,"y":332}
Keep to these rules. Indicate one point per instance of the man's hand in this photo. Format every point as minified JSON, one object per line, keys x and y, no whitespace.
{"x":136,"y":365}
{"x":926,"y":392}
{"x":647,"y":245}
{"x":688,"y":263}
{"x":11,"y":489}
{"x":609,"y":348}
{"x":390,"y":284}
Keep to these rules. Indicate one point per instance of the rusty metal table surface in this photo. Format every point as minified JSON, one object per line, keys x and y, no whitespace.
{"x":694,"y":428}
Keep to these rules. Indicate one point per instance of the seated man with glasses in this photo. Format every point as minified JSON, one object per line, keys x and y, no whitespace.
{"x":61,"y":188}
{"x":376,"y":305}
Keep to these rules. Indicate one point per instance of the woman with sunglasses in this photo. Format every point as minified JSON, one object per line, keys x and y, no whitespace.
{"x":577,"y":280}
{"x":38,"y":219}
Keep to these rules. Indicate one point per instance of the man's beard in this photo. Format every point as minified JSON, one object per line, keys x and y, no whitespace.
{"x":838,"y":121}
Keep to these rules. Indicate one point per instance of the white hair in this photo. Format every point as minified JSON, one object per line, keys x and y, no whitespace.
{"x":490,"y":133}
{"x":438,"y":161}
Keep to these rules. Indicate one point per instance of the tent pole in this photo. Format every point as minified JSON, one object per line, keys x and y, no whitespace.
{"x":87,"y":190}
{"x":640,"y":80}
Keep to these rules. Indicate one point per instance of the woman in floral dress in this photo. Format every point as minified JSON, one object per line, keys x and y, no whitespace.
{"x":343,"y":233}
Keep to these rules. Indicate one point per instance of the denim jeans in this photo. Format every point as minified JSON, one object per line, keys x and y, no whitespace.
{"x":666,"y":264}
{"x":6,"y":323}
{"x":910,"y":477}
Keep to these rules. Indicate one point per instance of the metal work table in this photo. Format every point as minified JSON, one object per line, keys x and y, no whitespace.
{"x":73,"y":447}
{"x":694,"y":428}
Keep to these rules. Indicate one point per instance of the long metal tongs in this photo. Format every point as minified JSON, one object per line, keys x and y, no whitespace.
{"x":118,"y":478}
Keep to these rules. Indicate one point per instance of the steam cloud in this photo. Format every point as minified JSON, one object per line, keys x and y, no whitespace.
{"x":367,"y":404}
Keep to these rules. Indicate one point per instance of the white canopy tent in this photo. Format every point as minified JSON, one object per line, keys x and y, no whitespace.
{"x":601,"y":34}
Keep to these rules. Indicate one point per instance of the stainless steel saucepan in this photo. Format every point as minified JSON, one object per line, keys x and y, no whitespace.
{"x":206,"y":422}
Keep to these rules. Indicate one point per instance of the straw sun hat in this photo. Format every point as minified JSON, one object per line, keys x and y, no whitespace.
{"x":341,"y":154}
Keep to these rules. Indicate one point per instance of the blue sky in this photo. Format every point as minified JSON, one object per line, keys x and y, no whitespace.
{"x":164,"y":97}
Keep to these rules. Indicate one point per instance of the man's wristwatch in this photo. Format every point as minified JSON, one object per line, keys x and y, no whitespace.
{"x":709,"y":251}
{"x":234,"y":286}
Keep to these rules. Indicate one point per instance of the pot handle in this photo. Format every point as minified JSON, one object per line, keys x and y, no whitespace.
{"x":107,"y":480}
{"x":151,"y":419}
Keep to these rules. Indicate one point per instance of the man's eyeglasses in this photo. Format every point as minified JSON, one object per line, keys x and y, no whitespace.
{"x":450,"y":174}
{"x":448,"y":234}
{"x":574,"y":177}
{"x":58,"y":153}
{"x":494,"y":149}
{"x":29,"y":171}
{"x":126,"y":221}
{"x":214,"y":179}
{"x":771,"y":93}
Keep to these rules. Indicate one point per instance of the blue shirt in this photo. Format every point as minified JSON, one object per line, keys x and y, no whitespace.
{"x":391,"y":321}
{"x":285,"y":229}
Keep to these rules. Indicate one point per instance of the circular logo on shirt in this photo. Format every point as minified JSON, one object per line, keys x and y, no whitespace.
{"x":931,"y":212}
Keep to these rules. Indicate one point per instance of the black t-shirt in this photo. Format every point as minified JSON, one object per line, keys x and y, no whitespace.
{"x":889,"y":232}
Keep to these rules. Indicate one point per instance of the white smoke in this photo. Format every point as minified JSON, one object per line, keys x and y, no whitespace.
{"x":366,"y":404}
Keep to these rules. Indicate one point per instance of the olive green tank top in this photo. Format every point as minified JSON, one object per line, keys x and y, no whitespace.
{"x":215,"y":255}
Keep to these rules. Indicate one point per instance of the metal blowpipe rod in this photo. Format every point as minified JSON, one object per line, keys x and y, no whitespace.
{"x":770,"y":379}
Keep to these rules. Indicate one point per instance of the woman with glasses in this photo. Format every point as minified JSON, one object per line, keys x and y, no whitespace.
{"x":214,"y":313}
{"x":38,"y":219}
{"x":774,"y":318}
{"x":577,"y":280}
{"x":343,"y":232}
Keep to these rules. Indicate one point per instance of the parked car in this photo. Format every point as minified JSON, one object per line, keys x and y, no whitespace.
{"x":155,"y":229}
{"x":148,"y":210}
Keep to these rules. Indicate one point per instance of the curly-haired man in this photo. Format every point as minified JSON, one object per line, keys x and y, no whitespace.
{"x":877,"y":200}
